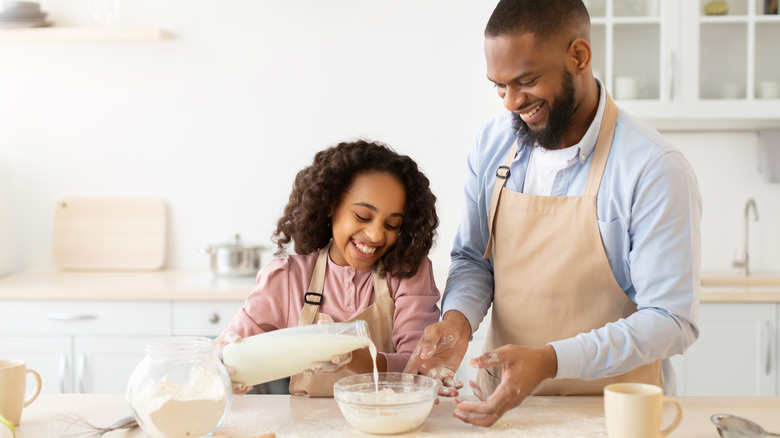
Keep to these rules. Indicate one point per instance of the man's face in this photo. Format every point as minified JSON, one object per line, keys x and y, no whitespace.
{"x":534,"y":84}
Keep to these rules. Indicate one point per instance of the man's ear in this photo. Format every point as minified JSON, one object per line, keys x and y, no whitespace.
{"x":580,"y":55}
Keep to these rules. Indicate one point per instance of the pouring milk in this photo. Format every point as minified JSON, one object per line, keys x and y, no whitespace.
{"x":284,"y":352}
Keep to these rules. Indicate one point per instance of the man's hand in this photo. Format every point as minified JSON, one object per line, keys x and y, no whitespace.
{"x":440,"y":351}
{"x":522,"y":369}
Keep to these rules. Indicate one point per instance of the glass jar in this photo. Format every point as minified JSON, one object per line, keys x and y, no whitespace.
{"x":180,"y":389}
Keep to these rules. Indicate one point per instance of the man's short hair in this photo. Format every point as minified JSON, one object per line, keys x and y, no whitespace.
{"x":546,"y":19}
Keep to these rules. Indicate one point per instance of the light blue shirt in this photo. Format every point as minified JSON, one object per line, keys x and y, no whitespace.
{"x":649,"y":214}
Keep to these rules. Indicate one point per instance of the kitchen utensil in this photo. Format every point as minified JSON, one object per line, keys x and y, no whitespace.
{"x":120,"y":234}
{"x":234,"y":258}
{"x":402,"y":403}
{"x":74,"y":426}
{"x":731,"y":426}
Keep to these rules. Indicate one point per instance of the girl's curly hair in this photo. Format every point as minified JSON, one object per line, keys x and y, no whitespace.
{"x":318,"y":188}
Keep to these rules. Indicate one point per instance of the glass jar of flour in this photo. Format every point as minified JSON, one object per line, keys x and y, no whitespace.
{"x":180,"y":389}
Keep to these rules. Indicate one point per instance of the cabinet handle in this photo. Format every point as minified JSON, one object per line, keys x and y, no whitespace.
{"x":214,"y":319}
{"x":80,"y":369}
{"x":672,"y":68}
{"x":63,"y":372}
{"x":56,"y":316}
{"x":769,"y":343}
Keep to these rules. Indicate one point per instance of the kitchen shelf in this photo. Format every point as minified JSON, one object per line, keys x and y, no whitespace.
{"x":83,"y":34}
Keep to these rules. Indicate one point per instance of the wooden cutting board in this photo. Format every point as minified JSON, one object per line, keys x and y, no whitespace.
{"x":110,"y":234}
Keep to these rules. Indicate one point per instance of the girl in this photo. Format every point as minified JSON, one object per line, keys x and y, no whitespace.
{"x":363,"y":219}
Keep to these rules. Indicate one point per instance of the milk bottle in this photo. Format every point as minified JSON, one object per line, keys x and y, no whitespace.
{"x":281,"y":353}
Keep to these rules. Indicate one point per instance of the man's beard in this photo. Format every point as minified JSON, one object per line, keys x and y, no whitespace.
{"x":560,"y":115}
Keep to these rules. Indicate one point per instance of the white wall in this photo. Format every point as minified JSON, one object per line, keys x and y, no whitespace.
{"x":218,"y":120}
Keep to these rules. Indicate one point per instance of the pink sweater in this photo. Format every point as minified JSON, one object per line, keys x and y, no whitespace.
{"x":277,"y":301}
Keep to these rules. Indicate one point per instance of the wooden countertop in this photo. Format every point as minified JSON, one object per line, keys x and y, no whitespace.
{"x":202,"y":285}
{"x":293,"y":416}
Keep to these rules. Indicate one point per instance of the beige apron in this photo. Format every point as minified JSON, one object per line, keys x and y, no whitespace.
{"x":378,"y":316}
{"x":552,"y":277}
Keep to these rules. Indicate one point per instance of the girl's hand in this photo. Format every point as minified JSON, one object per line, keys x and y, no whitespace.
{"x":218,"y":344}
{"x":337,"y":363}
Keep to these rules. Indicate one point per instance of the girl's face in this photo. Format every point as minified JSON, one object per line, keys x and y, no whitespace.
{"x":367,"y":219}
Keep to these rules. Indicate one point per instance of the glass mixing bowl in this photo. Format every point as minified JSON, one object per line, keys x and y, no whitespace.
{"x":402,"y":403}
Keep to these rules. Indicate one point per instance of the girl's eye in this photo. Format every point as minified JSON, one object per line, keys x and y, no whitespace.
{"x":361,"y":218}
{"x":393,"y":227}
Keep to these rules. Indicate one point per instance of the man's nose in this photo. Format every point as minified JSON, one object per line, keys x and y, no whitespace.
{"x":514,"y":98}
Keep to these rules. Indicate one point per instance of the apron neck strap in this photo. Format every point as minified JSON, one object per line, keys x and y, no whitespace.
{"x":313,"y":297}
{"x":603,"y":145}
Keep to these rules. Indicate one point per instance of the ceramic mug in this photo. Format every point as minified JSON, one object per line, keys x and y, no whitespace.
{"x":633,"y":410}
{"x":13,"y":383}
{"x":769,"y":89}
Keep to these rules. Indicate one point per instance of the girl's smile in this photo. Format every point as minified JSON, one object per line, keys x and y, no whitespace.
{"x":367,"y":219}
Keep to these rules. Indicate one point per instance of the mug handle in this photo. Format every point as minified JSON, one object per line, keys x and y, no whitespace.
{"x":677,"y":418}
{"x":37,"y":388}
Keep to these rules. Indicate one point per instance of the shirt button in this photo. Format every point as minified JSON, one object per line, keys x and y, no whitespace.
{"x":350,"y":308}
{"x":582,"y":157}
{"x":351,"y":288}
{"x":351,"y":271}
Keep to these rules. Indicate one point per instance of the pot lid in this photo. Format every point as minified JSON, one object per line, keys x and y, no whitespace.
{"x":236,"y":242}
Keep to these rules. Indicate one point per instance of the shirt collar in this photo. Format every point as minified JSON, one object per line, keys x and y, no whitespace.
{"x":588,"y":142}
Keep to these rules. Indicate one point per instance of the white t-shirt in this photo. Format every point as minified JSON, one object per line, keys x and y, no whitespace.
{"x":543,"y":165}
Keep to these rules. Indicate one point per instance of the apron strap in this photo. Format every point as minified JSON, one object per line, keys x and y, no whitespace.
{"x":603,"y":145}
{"x":381,"y":289}
{"x":313,"y":298}
{"x":502,"y":174}
{"x":600,"y":155}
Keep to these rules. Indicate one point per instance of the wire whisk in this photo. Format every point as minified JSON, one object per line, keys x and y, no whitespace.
{"x":74,"y":426}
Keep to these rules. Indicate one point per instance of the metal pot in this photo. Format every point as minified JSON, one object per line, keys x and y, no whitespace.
{"x":234,"y":258}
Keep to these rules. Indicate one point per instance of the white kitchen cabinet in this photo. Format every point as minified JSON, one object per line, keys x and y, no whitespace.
{"x":82,"y":346}
{"x":50,"y":356}
{"x":691,"y":70}
{"x":203,"y":318}
{"x":736,"y":353}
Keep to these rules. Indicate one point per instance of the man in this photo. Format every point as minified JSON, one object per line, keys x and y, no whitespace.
{"x":581,"y":228}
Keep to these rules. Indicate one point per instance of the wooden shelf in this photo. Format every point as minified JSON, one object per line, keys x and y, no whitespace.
{"x":82,"y":34}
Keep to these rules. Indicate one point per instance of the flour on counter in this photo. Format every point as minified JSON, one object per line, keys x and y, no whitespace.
{"x":195,"y":409}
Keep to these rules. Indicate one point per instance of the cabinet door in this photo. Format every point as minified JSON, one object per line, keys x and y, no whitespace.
{"x":104,"y":365}
{"x":735,"y":352}
{"x":635,"y":49}
{"x":206,"y":318}
{"x":731,"y":68}
{"x":50,"y":356}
